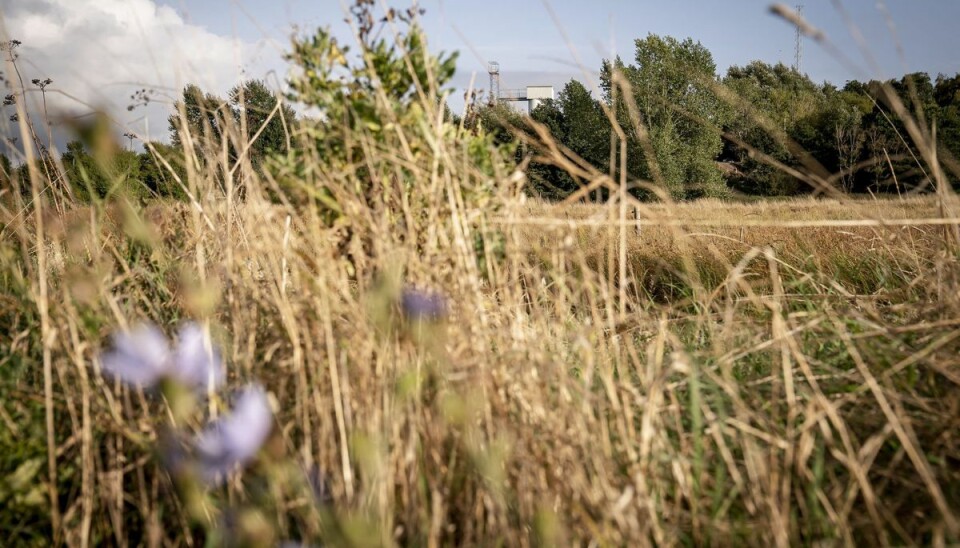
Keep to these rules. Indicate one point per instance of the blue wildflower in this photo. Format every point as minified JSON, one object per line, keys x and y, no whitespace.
{"x":422,"y":305}
{"x":196,"y":361}
{"x":142,"y":357}
{"x":235,"y":439}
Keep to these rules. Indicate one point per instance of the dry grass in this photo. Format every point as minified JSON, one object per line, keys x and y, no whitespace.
{"x":790,"y":397}
{"x":769,"y":210}
{"x":867,"y":246}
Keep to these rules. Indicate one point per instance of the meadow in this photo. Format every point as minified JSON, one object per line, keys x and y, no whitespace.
{"x":720,"y":372}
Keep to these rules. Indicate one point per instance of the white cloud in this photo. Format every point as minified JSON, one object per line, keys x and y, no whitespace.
{"x":102,"y":51}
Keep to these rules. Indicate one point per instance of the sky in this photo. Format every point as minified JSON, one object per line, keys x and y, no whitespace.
{"x":100,"y":52}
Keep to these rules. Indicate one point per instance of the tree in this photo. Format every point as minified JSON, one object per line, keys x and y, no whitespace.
{"x":833,"y":135}
{"x":587,"y":130}
{"x":253,"y":106}
{"x":6,"y":172}
{"x":782,"y":116}
{"x":99,"y":176}
{"x":547,"y":180}
{"x":894,"y":158}
{"x":204,"y":116}
{"x":672,"y":85}
{"x":576,"y":120}
{"x":156,"y":174}
{"x":947,"y":95}
{"x":770,"y":100}
{"x":500,"y":121}
{"x":253,"y":119}
{"x":82,"y":173}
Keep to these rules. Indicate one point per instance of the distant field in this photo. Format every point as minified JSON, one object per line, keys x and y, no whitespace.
{"x":840,"y":237}
{"x":884,"y":207}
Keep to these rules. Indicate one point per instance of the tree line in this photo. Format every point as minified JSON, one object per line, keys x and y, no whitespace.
{"x":761,"y":129}
{"x":251,"y":120}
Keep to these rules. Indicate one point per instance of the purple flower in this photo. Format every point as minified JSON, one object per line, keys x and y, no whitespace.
{"x":196,"y":362}
{"x":234,"y":440}
{"x":421,"y":305}
{"x":142,"y":357}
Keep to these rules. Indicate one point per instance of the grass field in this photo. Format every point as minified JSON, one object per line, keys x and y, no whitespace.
{"x":778,"y":384}
{"x":707,"y":373}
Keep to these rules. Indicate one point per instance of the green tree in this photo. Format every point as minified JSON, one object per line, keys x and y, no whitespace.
{"x":500,"y":121}
{"x":780,"y":115}
{"x":769,"y":101}
{"x":371,"y":107}
{"x":577,"y":121}
{"x":203,"y":115}
{"x":947,"y":94}
{"x":895,"y":159}
{"x":96,"y":177}
{"x":262,"y":112}
{"x":82,"y":173}
{"x":833,"y":135}
{"x":672,"y":85}
{"x":547,"y":180}
{"x":156,"y":174}
{"x":6,"y":172}
{"x":587,"y":129}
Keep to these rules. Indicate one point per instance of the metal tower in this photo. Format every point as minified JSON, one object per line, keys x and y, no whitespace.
{"x":798,"y":48}
{"x":532,"y":95}
{"x":493,"y":68}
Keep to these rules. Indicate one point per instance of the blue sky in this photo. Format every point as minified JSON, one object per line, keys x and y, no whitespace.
{"x":526,"y":39}
{"x":99,"y":52}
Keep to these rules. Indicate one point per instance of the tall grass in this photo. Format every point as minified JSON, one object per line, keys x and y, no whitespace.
{"x":719,"y":376}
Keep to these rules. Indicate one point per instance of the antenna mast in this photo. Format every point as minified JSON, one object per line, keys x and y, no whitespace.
{"x":798,"y":48}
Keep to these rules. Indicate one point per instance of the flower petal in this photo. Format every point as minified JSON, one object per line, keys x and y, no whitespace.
{"x":196,"y":362}
{"x":422,"y":305}
{"x":139,"y":357}
{"x":236,"y":438}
